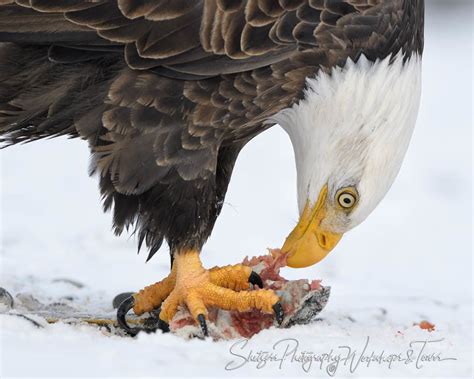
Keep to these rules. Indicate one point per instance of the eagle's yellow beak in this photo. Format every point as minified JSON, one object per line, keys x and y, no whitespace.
{"x":307,"y":244}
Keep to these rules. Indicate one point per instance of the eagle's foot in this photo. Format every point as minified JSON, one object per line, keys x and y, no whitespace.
{"x":198,"y":288}
{"x":146,"y":300}
{"x":190,"y":284}
{"x":236,"y":277}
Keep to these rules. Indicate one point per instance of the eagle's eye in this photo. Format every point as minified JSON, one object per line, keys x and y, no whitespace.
{"x":347,"y":198}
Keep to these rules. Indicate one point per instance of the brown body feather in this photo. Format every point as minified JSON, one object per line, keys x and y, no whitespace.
{"x":168,"y":92}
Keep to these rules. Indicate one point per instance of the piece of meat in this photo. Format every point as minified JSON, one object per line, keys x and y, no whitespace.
{"x":426,"y":325}
{"x":301,"y":299}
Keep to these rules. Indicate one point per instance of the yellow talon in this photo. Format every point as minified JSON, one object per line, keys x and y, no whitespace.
{"x":234,"y":277}
{"x":153,"y":295}
{"x":190,"y":284}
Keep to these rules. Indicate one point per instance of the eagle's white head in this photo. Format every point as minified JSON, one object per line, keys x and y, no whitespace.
{"x":350,"y":134}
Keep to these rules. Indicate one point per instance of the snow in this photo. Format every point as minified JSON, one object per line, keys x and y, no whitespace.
{"x":410,"y":261}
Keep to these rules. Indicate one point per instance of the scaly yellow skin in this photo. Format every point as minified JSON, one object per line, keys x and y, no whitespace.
{"x":190,"y":284}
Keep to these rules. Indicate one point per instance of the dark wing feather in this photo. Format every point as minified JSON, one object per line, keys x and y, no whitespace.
{"x":207,"y":37}
{"x":197,"y":80}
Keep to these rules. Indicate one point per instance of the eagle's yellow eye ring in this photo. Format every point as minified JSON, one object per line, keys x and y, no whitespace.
{"x":347,"y":198}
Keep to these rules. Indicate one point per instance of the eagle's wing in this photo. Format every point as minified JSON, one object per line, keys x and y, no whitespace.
{"x":184,"y":38}
{"x":197,"y":76}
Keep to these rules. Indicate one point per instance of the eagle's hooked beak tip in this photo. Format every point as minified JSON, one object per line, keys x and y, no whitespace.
{"x":308,"y":243}
{"x":308,"y":250}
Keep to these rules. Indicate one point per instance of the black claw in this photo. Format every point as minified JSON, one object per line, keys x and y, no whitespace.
{"x":163,"y":326}
{"x":279,"y":314}
{"x":202,"y":321}
{"x":119,"y":298}
{"x":154,"y":322}
{"x":151,"y":324}
{"x":255,"y":279}
{"x":122,"y":311}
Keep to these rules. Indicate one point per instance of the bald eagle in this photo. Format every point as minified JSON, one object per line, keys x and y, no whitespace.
{"x":168,"y":92}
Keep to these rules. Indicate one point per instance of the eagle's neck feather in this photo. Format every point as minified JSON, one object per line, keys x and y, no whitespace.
{"x":354,"y":125}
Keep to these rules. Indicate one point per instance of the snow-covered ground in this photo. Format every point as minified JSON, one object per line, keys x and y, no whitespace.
{"x":410,"y":261}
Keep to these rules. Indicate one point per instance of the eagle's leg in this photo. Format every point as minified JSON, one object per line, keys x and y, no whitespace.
{"x":197,"y":288}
